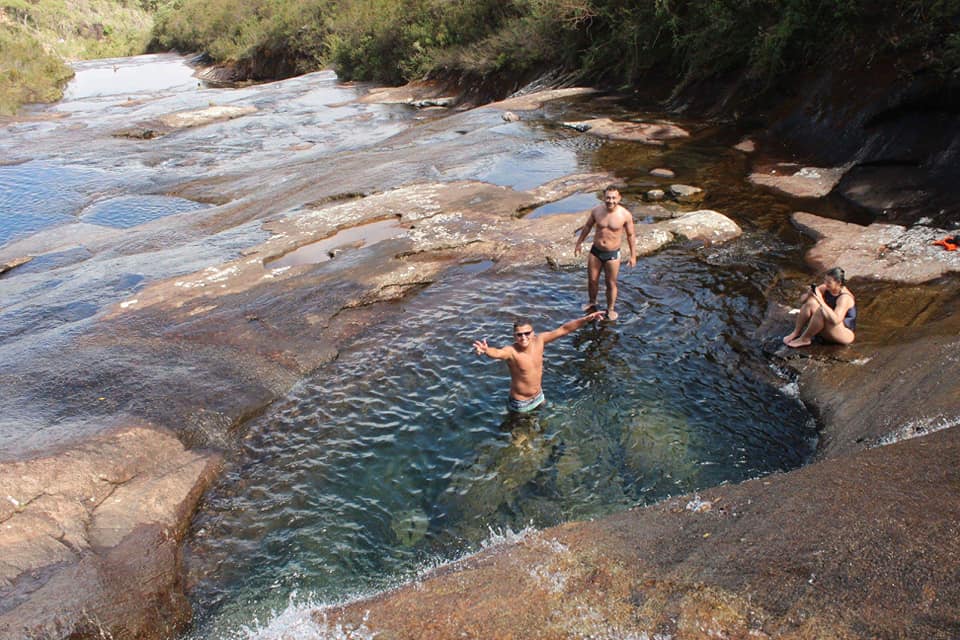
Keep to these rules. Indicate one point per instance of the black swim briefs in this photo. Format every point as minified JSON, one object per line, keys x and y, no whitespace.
{"x":605,"y":256}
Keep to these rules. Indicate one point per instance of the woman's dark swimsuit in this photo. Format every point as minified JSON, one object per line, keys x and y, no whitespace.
{"x":605,"y":256}
{"x":849,"y":320}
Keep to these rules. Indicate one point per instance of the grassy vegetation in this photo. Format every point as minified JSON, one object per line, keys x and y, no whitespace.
{"x":37,"y":38}
{"x":609,"y":41}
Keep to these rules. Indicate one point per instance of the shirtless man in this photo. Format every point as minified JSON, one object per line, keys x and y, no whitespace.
{"x":611,"y":220}
{"x":525,"y":359}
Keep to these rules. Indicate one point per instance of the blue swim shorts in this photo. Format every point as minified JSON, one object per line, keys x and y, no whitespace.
{"x":525,"y":406}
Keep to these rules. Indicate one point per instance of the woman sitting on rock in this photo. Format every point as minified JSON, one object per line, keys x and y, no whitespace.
{"x":828,"y":310}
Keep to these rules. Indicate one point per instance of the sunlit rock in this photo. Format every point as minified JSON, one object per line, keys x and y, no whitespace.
{"x":420,"y":93}
{"x":704,"y":225}
{"x":800,"y":182}
{"x":655,"y":195}
{"x":652,"y":133}
{"x":200,"y":117}
{"x":878,"y":252}
{"x":662,"y":173}
{"x":14,"y":263}
{"x":686,"y":193}
{"x":746,"y":146}
{"x":535,"y":100}
{"x":93,"y":534}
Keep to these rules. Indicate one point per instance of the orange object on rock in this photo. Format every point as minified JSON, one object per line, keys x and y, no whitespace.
{"x":950,"y":243}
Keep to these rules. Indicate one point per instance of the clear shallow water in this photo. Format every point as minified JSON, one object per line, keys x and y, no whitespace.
{"x":129,"y":211}
{"x":399,"y":455}
{"x":37,"y":195}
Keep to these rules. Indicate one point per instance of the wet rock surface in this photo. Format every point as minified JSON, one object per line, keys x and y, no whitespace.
{"x":91,"y":537}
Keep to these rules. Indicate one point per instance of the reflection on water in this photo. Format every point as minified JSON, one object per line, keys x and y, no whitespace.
{"x":399,"y":454}
{"x":328,"y":248}
{"x":577,"y":203}
{"x":126,"y":77}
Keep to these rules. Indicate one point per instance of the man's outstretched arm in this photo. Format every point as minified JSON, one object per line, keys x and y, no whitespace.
{"x":571,"y":326}
{"x":483,"y":349}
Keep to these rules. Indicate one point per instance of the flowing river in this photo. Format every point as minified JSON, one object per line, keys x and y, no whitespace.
{"x":399,"y":455}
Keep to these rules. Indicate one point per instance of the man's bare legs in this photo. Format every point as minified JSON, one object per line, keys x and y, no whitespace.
{"x":594,"y":265}
{"x":611,"y":268}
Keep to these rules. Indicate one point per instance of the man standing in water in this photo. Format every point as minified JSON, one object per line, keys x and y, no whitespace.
{"x":525,"y":359}
{"x":611,"y":220}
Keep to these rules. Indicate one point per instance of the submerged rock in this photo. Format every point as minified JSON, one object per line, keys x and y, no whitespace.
{"x":885,"y":252}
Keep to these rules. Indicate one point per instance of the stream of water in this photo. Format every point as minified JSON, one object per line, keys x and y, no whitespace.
{"x":399,"y":455}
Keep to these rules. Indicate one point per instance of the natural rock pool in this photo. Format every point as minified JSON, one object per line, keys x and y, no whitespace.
{"x":397,"y":455}
{"x":400,"y":454}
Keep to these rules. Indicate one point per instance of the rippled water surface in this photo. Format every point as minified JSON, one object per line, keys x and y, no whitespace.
{"x":401,"y":453}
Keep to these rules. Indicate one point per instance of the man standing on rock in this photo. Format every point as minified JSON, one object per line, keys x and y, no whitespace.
{"x":525,"y":359}
{"x":610,"y":220}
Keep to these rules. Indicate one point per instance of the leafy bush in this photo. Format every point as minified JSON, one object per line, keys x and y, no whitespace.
{"x":28,"y":73}
{"x":607,"y":41}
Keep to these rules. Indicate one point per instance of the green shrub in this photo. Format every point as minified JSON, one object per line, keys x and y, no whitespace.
{"x":28,"y":73}
{"x":607,"y":41}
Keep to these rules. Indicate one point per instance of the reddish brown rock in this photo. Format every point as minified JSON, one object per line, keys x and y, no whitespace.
{"x":800,"y":182}
{"x":90,"y":538}
{"x":878,"y":252}
{"x":536,"y":99}
{"x":652,"y":133}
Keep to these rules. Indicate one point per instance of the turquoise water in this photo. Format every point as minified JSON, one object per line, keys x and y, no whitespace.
{"x":400,"y":455}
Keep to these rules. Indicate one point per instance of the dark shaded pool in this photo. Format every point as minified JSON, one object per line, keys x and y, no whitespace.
{"x":398,"y":455}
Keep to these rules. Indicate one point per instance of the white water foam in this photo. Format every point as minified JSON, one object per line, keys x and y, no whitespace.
{"x":920,"y":427}
{"x":307,"y":620}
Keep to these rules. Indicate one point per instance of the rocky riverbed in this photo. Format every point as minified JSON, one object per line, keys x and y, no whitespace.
{"x":118,"y":425}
